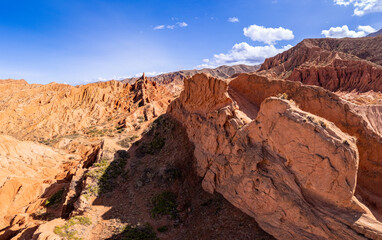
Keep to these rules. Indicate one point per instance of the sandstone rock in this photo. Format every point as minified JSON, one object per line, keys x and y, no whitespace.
{"x":30,"y":173}
{"x":43,"y":112}
{"x":27,"y":172}
{"x":293,"y":165}
{"x":335,"y":64}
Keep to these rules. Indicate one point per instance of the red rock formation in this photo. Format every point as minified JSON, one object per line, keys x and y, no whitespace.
{"x":293,"y":165}
{"x":335,"y":64}
{"x":36,"y":112}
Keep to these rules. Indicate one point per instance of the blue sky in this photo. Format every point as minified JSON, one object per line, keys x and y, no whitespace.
{"x":78,"y":41}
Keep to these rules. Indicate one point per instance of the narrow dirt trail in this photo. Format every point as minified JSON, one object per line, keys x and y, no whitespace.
{"x":250,"y":109}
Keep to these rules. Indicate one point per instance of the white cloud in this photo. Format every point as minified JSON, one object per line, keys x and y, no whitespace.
{"x":268,"y":35}
{"x":159,"y":27}
{"x":178,"y":24}
{"x":182,"y":24}
{"x":243,"y":53}
{"x":233,"y":19}
{"x":367,"y":29}
{"x":362,"y":7}
{"x":341,"y":32}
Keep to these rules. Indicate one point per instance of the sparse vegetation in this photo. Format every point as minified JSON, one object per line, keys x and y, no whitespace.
{"x":136,"y":126}
{"x":127,"y":141}
{"x":106,"y":173}
{"x":94,"y":132}
{"x":164,"y":204}
{"x":283,"y":96}
{"x":55,"y":199}
{"x":138,"y":232}
{"x":162,"y":229}
{"x":141,"y":119}
{"x":120,"y":128}
{"x":153,"y":147}
{"x":49,"y":142}
{"x":66,"y":232}
{"x":162,"y":124}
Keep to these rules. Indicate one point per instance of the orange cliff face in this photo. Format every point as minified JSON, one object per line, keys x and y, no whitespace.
{"x":41,"y":112}
{"x":334,"y":64}
{"x":285,"y":154}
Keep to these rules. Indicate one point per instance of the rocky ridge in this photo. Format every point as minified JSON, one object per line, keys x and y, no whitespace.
{"x":334,"y":64}
{"x":179,"y":76}
{"x":43,"y":112}
{"x":291,"y":162}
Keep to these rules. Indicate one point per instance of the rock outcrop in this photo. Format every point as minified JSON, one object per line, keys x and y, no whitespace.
{"x":30,"y":173}
{"x":297,"y":158}
{"x":334,"y":64}
{"x":40,"y":112}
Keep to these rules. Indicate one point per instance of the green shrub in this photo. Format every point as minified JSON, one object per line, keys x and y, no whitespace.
{"x":141,"y":119}
{"x":145,"y":232}
{"x":162,"y":229}
{"x":153,"y":147}
{"x":164,"y":204}
{"x":126,"y":142}
{"x":106,"y":173}
{"x":283,"y":96}
{"x":66,"y":231}
{"x":55,"y":198}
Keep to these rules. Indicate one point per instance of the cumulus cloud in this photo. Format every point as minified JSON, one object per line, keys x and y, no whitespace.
{"x":233,"y":19}
{"x":159,"y":27}
{"x":341,"y":32}
{"x":243,"y":53}
{"x":362,"y":7}
{"x":267,"y":35}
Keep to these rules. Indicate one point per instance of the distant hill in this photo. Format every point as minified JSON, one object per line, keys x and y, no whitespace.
{"x":345,"y":64}
{"x":179,"y":76}
{"x":375,"y":33}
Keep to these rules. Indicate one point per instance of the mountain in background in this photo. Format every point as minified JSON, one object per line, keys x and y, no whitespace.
{"x":335,"y":64}
{"x":178,"y":76}
{"x":375,"y":34}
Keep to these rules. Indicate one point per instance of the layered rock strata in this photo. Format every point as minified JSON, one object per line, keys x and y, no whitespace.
{"x":297,"y":163}
{"x":334,"y":64}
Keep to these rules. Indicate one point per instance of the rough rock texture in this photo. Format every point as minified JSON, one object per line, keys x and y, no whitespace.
{"x":30,"y":173}
{"x":292,"y":165}
{"x":335,"y":64}
{"x":179,"y":76}
{"x":38,"y":112}
{"x":27,"y":170}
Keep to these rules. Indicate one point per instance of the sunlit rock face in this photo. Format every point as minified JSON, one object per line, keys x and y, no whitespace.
{"x":286,"y":154}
